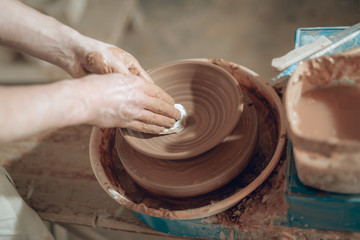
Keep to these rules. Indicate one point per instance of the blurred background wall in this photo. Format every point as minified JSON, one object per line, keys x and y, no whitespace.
{"x":247,"y":32}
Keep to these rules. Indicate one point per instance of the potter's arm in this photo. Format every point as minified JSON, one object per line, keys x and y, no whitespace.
{"x":41,"y":36}
{"x":111,"y":100}
{"x":29,"y":31}
{"x":25,"y":110}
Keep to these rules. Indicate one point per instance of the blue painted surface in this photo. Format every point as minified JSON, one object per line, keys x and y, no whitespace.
{"x":186,"y":228}
{"x":309,"y":207}
{"x":312,"y":208}
{"x":305,"y":36}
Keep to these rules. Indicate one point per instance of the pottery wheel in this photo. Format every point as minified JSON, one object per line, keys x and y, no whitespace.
{"x":116,"y":182}
{"x":200,"y":174}
{"x":212,"y":99}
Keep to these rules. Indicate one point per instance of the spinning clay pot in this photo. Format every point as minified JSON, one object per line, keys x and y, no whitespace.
{"x":212,"y":99}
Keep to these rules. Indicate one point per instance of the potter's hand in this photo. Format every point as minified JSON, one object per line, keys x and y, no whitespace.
{"x":92,"y":56}
{"x":126,"y":101}
{"x":111,"y":100}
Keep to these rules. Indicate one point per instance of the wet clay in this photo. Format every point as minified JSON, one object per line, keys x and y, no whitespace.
{"x":330,"y":112}
{"x":271,"y":138}
{"x":96,"y":63}
{"x":200,"y":174}
{"x":92,"y":61}
{"x":213,"y":102}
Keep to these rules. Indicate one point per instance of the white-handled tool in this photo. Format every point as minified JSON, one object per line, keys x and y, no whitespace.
{"x":305,"y":51}
{"x":299,"y":54}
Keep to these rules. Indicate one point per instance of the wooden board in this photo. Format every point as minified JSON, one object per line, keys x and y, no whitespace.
{"x":53,"y":174}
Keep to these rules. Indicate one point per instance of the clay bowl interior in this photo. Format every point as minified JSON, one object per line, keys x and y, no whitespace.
{"x":115,"y":180}
{"x":213,"y":101}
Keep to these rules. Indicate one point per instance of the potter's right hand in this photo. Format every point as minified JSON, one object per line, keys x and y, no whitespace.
{"x":126,"y":101}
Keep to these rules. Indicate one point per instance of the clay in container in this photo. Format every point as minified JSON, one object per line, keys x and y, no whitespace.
{"x":330,"y":112}
{"x":322,"y":103}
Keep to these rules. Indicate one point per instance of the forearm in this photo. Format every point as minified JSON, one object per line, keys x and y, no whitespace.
{"x":41,"y":36}
{"x":31,"y":109}
{"x":36,"y":34}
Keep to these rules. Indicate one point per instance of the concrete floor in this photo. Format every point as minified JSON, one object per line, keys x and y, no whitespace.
{"x":247,"y":32}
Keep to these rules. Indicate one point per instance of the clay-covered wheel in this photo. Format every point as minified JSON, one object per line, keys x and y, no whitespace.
{"x":198,"y":175}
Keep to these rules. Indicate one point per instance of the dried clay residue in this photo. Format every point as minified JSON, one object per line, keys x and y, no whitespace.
{"x":258,"y":208}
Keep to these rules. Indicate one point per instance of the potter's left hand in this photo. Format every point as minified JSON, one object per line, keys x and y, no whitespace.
{"x":92,"y":56}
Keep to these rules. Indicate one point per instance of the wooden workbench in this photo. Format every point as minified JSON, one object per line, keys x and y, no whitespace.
{"x":53,"y":174}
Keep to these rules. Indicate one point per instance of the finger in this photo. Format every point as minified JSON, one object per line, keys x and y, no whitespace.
{"x":156,"y":119}
{"x":159,"y":106}
{"x":143,"y":127}
{"x":155,"y":91}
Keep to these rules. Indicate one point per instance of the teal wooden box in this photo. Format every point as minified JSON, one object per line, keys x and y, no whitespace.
{"x":312,"y":208}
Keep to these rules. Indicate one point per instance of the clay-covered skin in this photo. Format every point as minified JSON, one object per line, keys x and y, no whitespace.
{"x":330,"y":112}
{"x":96,"y":62}
{"x":200,"y":174}
{"x":212,"y":99}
